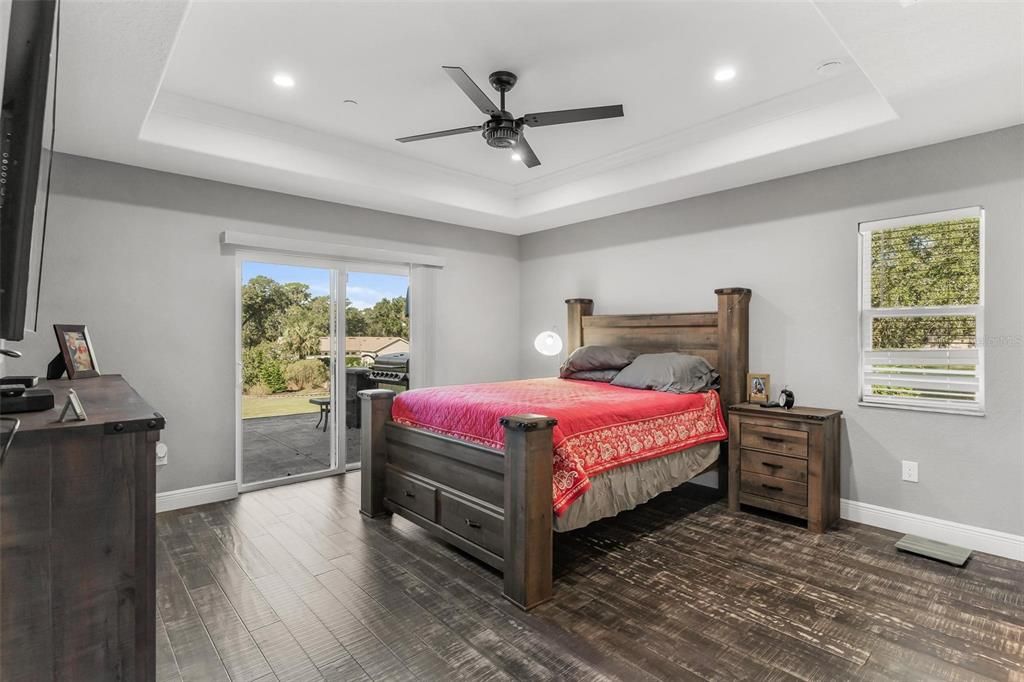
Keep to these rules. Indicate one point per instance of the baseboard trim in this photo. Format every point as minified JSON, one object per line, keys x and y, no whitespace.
{"x":200,"y":494}
{"x":980,"y":539}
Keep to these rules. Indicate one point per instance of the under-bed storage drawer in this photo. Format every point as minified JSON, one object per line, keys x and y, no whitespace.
{"x":472,"y":522}
{"x":790,"y":442}
{"x":414,"y":495}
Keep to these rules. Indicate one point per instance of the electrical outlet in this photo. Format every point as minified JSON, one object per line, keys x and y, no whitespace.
{"x":161,"y":454}
{"x":910,"y":471}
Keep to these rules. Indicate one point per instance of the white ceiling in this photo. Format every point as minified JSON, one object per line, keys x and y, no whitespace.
{"x":186,"y":87}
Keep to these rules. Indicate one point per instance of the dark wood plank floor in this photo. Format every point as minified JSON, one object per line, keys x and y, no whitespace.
{"x":292,"y":584}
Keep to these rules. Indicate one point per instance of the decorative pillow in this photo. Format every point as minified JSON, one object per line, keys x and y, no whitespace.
{"x":588,"y":358}
{"x":669,"y":372}
{"x":605,"y":375}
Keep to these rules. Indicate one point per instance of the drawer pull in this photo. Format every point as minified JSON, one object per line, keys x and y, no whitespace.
{"x":408,"y":493}
{"x":771,"y":487}
{"x":772,"y":465}
{"x":472,"y":524}
{"x":773,"y":439}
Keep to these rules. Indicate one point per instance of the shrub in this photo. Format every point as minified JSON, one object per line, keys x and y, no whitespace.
{"x":272,"y":375}
{"x":258,"y":390}
{"x":305,"y":374}
{"x":254,"y":359}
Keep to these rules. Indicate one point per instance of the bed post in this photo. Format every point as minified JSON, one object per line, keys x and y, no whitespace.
{"x":376,"y":412}
{"x":528,"y":543}
{"x":578,"y":309}
{"x":733,"y":360}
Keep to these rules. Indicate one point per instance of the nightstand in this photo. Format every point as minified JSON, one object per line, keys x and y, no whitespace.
{"x":786,"y":461}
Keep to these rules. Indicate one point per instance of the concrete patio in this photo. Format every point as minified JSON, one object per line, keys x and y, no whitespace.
{"x":276,"y":447}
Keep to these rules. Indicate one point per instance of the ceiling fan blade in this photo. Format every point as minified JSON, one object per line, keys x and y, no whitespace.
{"x":524,"y":150}
{"x":440,"y":133}
{"x":551,"y":118}
{"x":472,"y":90}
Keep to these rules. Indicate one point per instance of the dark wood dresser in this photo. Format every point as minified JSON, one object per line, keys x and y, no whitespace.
{"x":77,"y":539}
{"x":786,"y":461}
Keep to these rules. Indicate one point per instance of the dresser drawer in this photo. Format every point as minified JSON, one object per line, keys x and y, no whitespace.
{"x":412,"y":494}
{"x":791,"y":442}
{"x":789,"y":468}
{"x":478,"y":525}
{"x":774,"y":488}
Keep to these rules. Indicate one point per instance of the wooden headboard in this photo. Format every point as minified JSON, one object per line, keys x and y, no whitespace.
{"x":719,"y":336}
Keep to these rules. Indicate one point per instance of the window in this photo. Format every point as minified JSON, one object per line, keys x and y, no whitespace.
{"x":922,"y":312}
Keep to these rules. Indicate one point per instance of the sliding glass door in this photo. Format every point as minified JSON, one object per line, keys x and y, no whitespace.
{"x":310,"y":336}
{"x":376,"y":341}
{"x":288,"y":331}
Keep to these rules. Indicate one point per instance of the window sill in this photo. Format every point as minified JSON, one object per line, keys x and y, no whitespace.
{"x":917,"y":408}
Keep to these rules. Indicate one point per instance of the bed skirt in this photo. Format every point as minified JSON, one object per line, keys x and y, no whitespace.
{"x":631,"y":485}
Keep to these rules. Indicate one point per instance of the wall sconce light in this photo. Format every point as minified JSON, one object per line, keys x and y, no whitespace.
{"x":548,"y":343}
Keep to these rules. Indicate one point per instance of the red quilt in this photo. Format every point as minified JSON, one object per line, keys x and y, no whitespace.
{"x":600,"y":426}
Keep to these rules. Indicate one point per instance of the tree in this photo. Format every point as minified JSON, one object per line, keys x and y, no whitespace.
{"x":355,"y":320}
{"x":263,"y":303}
{"x":297,"y":293}
{"x":920,"y":266}
{"x":387,"y":318}
{"x":937,"y":264}
{"x":283,"y":323}
{"x":303,"y":325}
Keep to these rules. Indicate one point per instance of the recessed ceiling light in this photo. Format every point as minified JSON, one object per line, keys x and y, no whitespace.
{"x":284,"y":80}
{"x":725,"y":73}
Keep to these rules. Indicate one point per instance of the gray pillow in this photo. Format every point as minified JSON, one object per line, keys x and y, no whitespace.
{"x":605,"y":375}
{"x":669,"y":372}
{"x":588,"y":358}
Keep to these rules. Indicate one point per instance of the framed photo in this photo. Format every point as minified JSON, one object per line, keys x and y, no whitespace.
{"x":759,"y":387}
{"x":76,"y":349}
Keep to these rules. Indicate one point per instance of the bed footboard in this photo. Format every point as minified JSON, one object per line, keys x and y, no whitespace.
{"x":495,"y":506}
{"x":528,"y":543}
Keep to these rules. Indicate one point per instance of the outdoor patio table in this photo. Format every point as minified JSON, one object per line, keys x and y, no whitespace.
{"x":325,"y":410}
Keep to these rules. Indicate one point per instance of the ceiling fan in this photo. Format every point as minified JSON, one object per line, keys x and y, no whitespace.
{"x":504,"y":131}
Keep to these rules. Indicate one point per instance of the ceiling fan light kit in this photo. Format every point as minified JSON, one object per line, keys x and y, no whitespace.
{"x":503,"y":130}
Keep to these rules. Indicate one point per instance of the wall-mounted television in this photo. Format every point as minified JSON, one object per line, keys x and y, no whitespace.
{"x":26,"y":140}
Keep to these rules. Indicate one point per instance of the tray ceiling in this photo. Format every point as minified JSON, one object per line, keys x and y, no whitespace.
{"x":187,"y":87}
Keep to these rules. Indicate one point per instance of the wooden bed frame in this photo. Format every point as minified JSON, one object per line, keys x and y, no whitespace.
{"x":497,"y":506}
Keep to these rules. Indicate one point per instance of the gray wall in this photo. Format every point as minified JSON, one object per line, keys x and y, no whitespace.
{"x":794,"y":242}
{"x":135,"y":255}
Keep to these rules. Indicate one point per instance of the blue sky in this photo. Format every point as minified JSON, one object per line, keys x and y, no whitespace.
{"x":364,"y":288}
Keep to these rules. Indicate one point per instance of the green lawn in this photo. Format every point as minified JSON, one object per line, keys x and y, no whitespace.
{"x":276,"y":405}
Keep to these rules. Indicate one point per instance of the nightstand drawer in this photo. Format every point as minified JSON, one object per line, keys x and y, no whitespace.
{"x":789,"y":442}
{"x":789,"y":468}
{"x":774,"y":488}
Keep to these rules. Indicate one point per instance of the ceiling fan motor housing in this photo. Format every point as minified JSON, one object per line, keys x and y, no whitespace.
{"x":502,"y":131}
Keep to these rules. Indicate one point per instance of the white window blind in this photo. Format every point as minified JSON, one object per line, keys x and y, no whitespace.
{"x":922,"y":312}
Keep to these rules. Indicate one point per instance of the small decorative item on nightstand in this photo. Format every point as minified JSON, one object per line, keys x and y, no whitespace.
{"x":786,"y":461}
{"x":758,"y":387}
